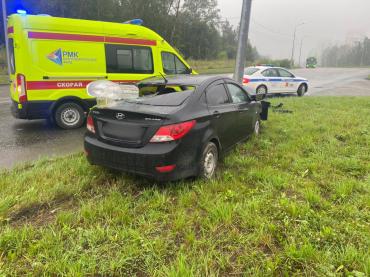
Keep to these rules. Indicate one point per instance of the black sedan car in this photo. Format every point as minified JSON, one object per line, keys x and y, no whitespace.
{"x":178,"y":128}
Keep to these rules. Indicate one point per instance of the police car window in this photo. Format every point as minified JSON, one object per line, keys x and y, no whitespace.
{"x":284,"y":73}
{"x":128,"y":59}
{"x":217,"y":95}
{"x":270,"y":73}
{"x":173,"y":65}
{"x":237,"y":94}
{"x":250,"y":70}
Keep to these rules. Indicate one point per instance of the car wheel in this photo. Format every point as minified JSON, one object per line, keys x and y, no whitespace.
{"x":257,"y":127}
{"x":69,"y":116}
{"x":302,"y":90}
{"x":261,"y":93}
{"x":209,"y":160}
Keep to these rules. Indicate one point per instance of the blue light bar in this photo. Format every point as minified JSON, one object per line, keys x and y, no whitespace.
{"x":135,"y":22}
{"x":21,"y":12}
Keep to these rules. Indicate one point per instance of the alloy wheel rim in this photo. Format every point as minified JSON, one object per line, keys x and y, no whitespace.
{"x":257,"y":127}
{"x":209,"y":164}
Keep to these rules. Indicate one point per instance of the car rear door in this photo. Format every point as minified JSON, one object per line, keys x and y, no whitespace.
{"x":246,"y":111}
{"x":273,"y":80}
{"x":287,"y":84}
{"x":224,"y":114}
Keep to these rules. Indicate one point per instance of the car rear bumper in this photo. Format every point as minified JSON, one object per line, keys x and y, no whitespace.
{"x":31,"y":109}
{"x":143,"y":161}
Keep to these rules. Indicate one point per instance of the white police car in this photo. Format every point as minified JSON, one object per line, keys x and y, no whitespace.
{"x":263,"y":80}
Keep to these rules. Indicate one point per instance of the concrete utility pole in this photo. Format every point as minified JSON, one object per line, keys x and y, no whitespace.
{"x":300,"y":51}
{"x":6,"y":34}
{"x":293,"y":47}
{"x":241,"y":55}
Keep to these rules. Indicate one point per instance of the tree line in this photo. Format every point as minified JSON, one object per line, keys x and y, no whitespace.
{"x":357,"y":54}
{"x":194,"y":27}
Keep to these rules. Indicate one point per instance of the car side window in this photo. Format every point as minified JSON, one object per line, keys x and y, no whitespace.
{"x":217,"y":95}
{"x":284,"y":73}
{"x":237,"y":94}
{"x":270,"y":73}
{"x":173,"y":65}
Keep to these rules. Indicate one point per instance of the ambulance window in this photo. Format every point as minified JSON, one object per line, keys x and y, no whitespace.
{"x":11,"y":56}
{"x":173,"y":65}
{"x":128,"y":59}
{"x":124,"y":60}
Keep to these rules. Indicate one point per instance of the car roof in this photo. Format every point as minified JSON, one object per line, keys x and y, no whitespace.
{"x":263,"y":67}
{"x":186,"y":79}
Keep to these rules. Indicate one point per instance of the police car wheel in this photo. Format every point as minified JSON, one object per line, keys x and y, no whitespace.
{"x":69,"y":116}
{"x":261,"y":93}
{"x":301,"y":90}
{"x":209,"y":161}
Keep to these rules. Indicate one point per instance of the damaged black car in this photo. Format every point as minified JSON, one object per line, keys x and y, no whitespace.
{"x":178,"y":127}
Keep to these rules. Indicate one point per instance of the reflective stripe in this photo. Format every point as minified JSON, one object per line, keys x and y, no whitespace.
{"x":10,"y":30}
{"x":42,"y":85}
{"x":93,"y":38}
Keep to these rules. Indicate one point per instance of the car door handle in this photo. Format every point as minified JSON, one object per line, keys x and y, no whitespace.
{"x":216,"y":114}
{"x":243,"y":110}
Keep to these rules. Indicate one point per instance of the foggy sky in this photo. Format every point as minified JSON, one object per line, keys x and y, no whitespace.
{"x":326,"y":22}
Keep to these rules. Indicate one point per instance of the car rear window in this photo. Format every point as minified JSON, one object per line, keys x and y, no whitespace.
{"x":250,"y":70}
{"x":168,"y":99}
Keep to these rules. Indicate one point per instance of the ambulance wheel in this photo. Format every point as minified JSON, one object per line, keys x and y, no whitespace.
{"x":302,"y":90}
{"x":261,"y":92}
{"x":69,"y":116}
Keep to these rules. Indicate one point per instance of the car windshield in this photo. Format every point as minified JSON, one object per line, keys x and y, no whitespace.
{"x":250,"y":70}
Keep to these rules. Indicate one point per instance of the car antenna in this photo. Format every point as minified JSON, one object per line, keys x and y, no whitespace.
{"x":164,"y":78}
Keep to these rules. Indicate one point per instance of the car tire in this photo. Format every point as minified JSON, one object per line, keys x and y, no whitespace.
{"x":69,"y":116}
{"x":257,"y":127}
{"x":209,"y":161}
{"x":302,"y":90}
{"x":261,"y":92}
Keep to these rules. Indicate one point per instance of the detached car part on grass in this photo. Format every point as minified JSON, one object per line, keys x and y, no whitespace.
{"x":178,"y":128}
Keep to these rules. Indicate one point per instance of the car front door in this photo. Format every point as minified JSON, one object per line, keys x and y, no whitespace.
{"x":223,"y":114}
{"x":272,"y":80}
{"x":288,"y":84}
{"x":246,"y":111}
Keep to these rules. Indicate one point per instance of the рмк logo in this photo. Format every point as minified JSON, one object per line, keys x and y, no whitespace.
{"x":56,"y":56}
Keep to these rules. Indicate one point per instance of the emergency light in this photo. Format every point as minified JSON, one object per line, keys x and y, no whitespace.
{"x":134,"y":22}
{"x":21,"y":12}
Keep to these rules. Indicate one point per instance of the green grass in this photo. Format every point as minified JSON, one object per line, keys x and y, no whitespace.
{"x":294,"y":201}
{"x":212,"y":66}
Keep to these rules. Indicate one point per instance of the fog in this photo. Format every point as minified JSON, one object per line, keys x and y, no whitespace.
{"x":327,"y":22}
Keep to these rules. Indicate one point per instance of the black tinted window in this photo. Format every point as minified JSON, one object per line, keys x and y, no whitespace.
{"x":129,"y":59}
{"x":237,"y":94}
{"x":173,"y":65}
{"x":217,"y":95}
{"x":11,"y":56}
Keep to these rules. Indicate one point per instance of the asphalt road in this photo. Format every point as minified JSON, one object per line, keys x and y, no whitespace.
{"x":22,"y":140}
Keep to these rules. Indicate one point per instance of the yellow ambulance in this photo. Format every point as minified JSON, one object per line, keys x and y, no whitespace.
{"x":53,"y":59}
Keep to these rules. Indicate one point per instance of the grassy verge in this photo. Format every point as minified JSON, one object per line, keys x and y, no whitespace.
{"x":294,"y":201}
{"x":213,"y":66}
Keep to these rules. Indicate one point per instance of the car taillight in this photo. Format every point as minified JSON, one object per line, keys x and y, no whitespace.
{"x":90,"y":124}
{"x":173,"y":132}
{"x":166,"y":168}
{"x":245,"y":80}
{"x":21,"y":88}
